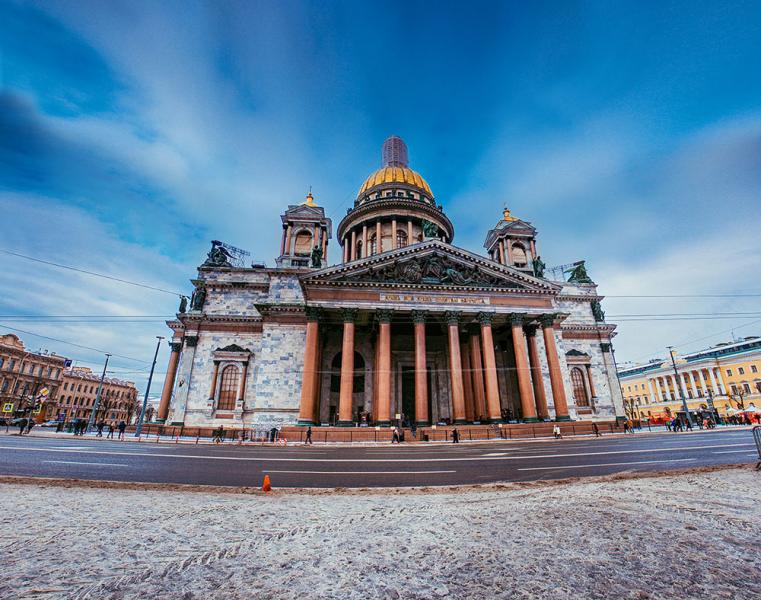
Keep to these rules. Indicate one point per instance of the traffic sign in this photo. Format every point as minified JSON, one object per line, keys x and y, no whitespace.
{"x":8,"y":407}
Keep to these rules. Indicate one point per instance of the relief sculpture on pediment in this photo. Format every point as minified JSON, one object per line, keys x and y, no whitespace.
{"x":432,"y":270}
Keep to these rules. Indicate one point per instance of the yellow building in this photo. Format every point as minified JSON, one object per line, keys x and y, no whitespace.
{"x":727,"y":375}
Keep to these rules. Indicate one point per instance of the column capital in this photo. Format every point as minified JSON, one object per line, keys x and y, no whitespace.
{"x":516,"y":319}
{"x":383,"y":315}
{"x":485,"y":318}
{"x":419,"y":316}
{"x":349,"y":315}
{"x":313,"y":313}
{"x":531,"y":330}
{"x":452,"y":317}
{"x":547,"y":320}
{"x":175,"y":346}
{"x":191,"y":341}
{"x":606,"y":347}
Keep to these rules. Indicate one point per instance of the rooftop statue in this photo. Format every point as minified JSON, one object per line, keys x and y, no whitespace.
{"x":317,"y":257}
{"x":218,"y":256}
{"x":579,"y":274}
{"x":539,"y":266}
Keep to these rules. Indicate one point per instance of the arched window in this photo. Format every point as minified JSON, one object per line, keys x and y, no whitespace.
{"x":372,"y":245}
{"x":359,"y":249}
{"x":303,"y":245}
{"x":519,"y":255}
{"x":228,"y":388}
{"x":401,"y":238}
{"x":579,"y":389}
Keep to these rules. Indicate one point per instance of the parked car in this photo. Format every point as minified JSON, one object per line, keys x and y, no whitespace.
{"x":17,"y":422}
{"x":49,"y":424}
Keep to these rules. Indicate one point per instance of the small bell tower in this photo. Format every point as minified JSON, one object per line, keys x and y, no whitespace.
{"x":306,"y":232}
{"x":512,"y":242}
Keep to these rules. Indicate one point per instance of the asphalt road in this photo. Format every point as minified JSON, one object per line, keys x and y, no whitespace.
{"x":398,"y":465}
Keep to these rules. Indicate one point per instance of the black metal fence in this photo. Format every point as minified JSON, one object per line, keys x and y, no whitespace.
{"x":177,"y":433}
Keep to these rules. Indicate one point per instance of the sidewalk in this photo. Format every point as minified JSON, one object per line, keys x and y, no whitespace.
{"x":153,"y":439}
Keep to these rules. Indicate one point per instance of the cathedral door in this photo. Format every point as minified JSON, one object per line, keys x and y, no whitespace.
{"x":408,"y":392}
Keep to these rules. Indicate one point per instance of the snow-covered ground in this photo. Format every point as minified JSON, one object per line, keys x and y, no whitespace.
{"x":692,"y":535}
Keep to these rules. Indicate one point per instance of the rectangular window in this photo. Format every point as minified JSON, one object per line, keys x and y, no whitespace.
{"x":12,"y":364}
{"x":2,"y":361}
{"x":66,"y":386}
{"x":753,"y":369}
{"x":734,"y":389}
{"x":746,"y":387}
{"x":729,"y":372}
{"x":741,"y":371}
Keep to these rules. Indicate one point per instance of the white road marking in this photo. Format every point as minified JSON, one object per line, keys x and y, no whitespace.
{"x":495,"y":454}
{"x":639,"y":462}
{"x":360,"y":472}
{"x":729,"y":452}
{"x":73,"y":462}
{"x":374,"y":460}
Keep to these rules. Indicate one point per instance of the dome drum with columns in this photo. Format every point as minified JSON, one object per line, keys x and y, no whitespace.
{"x":395,"y":205}
{"x":402,"y":323}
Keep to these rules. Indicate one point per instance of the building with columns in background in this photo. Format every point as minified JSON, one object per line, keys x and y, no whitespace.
{"x":404,"y":323}
{"x":724,"y":378}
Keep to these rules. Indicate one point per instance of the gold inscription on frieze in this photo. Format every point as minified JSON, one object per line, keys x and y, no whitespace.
{"x":428,"y":299}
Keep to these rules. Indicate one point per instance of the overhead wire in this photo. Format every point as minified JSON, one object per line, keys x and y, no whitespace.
{"x":92,"y":273}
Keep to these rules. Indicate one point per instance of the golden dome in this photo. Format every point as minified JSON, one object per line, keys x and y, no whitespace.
{"x":395,"y":174}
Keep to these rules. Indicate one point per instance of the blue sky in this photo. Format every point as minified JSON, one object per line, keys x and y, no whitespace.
{"x":132,"y":133}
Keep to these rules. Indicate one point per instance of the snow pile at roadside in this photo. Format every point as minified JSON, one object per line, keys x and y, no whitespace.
{"x":688,"y":535}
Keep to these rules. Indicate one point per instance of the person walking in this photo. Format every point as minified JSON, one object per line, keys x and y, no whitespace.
{"x":413,"y":429}
{"x":455,"y":436}
{"x":218,"y":433}
{"x":30,"y":423}
{"x":309,"y":435}
{"x":101,"y":425}
{"x":110,"y":435}
{"x":556,"y":431}
{"x":22,"y":426}
{"x":395,"y":435}
{"x":596,"y":429}
{"x":122,"y":429}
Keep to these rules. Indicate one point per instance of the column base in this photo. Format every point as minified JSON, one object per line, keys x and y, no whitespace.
{"x":563,"y":418}
{"x":160,"y":421}
{"x":460,"y":421}
{"x":305,"y":423}
{"x":383,"y":423}
{"x":423,"y":423}
{"x":496,"y":420}
{"x":345,"y":424}
{"x":530,"y":420}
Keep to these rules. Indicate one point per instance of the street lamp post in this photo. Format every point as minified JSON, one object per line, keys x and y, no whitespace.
{"x":139,"y":428}
{"x":678,"y":386}
{"x":94,"y":412}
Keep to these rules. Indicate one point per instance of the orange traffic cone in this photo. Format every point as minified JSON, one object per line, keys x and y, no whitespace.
{"x":266,"y":487}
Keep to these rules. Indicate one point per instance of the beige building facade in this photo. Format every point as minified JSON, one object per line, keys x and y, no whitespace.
{"x":76,"y":399}
{"x":29,"y":381}
{"x":726,"y":377}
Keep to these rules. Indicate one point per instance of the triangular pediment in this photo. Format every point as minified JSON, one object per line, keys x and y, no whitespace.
{"x":430,"y":265}
{"x":305,"y":211}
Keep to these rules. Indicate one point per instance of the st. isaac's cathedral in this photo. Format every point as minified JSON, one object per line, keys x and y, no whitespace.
{"x":406,"y":326}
